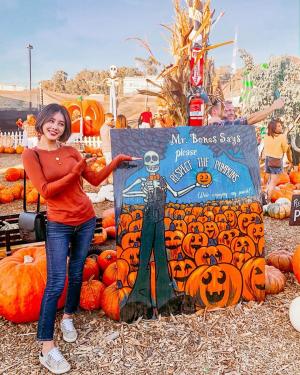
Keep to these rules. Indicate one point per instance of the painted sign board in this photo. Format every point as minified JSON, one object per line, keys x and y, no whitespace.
{"x":295,"y":210}
{"x":189,"y":220}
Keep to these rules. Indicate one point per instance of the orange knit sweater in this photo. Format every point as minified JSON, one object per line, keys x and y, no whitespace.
{"x":57,"y":177}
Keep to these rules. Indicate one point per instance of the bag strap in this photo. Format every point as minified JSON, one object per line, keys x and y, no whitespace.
{"x":24,"y":193}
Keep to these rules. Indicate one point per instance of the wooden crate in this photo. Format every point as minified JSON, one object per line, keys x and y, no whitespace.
{"x":10,"y":239}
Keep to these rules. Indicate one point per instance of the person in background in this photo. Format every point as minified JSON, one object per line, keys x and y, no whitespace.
{"x":121,"y":122}
{"x":275,"y":146}
{"x":254,"y":118}
{"x":56,"y":171}
{"x":145,"y":119}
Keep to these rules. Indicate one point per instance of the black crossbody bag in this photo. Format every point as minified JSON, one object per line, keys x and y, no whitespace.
{"x":32,"y":225}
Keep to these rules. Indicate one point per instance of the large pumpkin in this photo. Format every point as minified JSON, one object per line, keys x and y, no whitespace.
{"x":215,"y":286}
{"x":132,"y":256}
{"x":281,"y":259}
{"x":275,"y":280}
{"x":90,"y":268}
{"x":92,"y":113}
{"x":279,"y":211}
{"x":23,"y":277}
{"x":106,"y":258}
{"x":243,"y":244}
{"x":253,"y":272}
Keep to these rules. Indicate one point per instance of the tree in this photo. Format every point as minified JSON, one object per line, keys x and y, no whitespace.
{"x":59,"y":80}
{"x":263,"y":82}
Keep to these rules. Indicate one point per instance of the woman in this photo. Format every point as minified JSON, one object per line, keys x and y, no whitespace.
{"x":55,"y":170}
{"x":121,"y":122}
{"x":275,"y":146}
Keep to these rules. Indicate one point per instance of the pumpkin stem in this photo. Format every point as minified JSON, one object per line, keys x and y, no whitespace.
{"x":28,"y":259}
{"x":91,"y":278}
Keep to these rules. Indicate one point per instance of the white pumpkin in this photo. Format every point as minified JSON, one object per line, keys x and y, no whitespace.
{"x":279,"y":211}
{"x":283,"y":201}
{"x":294,"y":313}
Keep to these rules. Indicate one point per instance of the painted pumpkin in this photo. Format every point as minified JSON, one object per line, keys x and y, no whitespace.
{"x":255,"y":231}
{"x":239,"y":259}
{"x":192,"y":242}
{"x":137,"y":214}
{"x":173,"y":242}
{"x":195,"y":227}
{"x":124,"y":221}
{"x":215,"y":286}
{"x":281,"y":259}
{"x":204,"y":178}
{"x":231,"y":218}
{"x":253,"y":272}
{"x":213,"y":255}
{"x":275,"y":280}
{"x":211,"y":229}
{"x":132,"y":256}
{"x":243,"y":244}
{"x":197,"y":210}
{"x":113,"y":297}
{"x":179,"y":214}
{"x":180,"y":225}
{"x":180,"y":270}
{"x":227,"y":236}
{"x":246,"y":219}
{"x":130,"y":238}
{"x":135,"y":225}
{"x":91,"y":294}
{"x":189,"y":218}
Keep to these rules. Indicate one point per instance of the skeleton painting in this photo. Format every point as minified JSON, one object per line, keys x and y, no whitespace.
{"x":189,"y":221}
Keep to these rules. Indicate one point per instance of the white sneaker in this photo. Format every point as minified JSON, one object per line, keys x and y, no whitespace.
{"x":68,"y":330}
{"x":55,"y":362}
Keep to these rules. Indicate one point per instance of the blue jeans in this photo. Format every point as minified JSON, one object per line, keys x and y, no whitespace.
{"x":59,"y":237}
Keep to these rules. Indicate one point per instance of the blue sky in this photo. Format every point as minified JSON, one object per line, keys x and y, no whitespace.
{"x":73,"y":35}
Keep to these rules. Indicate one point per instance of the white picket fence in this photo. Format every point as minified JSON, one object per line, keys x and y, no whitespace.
{"x":16,"y":138}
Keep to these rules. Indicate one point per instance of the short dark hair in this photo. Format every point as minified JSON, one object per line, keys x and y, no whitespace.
{"x":272,"y":126}
{"x":47,"y":113}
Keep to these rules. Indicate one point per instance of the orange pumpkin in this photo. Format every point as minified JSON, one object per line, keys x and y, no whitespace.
{"x":90,"y":269}
{"x":137,"y":214}
{"x":213,"y":255}
{"x":180,"y":225}
{"x":295,"y":177}
{"x":108,"y":221}
{"x":6,"y":196}
{"x":281,"y":259}
{"x":282,"y":178}
{"x":239,"y":259}
{"x":253,"y":272}
{"x":255,"y":231}
{"x":16,"y":190}
{"x":211,"y":229}
{"x":135,"y":225}
{"x":180,"y":270}
{"x":91,"y":294}
{"x":19,"y":149}
{"x":12,"y":174}
{"x":106,"y":258}
{"x":179,"y":214}
{"x":195,"y":227}
{"x":246,"y":219}
{"x":275,"y":280}
{"x":215,"y":286}
{"x":189,"y":218}
{"x":197,"y":211}
{"x":173,"y":241}
{"x":192,"y":242}
{"x":124,"y":220}
{"x":231,"y":218}
{"x":113,"y":297}
{"x":225,"y":237}
{"x":100,"y":238}
{"x":204,"y":178}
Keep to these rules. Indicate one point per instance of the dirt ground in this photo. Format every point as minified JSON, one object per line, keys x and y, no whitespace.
{"x":249,"y":338}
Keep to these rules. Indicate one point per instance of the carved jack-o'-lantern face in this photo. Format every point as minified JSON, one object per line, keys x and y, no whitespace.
{"x":215,"y":286}
{"x":204,"y":178}
{"x":253,"y":272}
{"x":180,"y":225}
{"x":227,"y":236}
{"x":130,"y":239}
{"x":231,"y":218}
{"x":243,"y":244}
{"x":192,"y":242}
{"x":173,"y":242}
{"x":132,"y":256}
{"x":213,"y":255}
{"x":195,"y":227}
{"x":211,"y":229}
{"x":180,"y":270}
{"x":255,"y":231}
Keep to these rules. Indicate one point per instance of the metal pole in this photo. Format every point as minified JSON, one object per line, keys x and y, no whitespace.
{"x":30,"y":47}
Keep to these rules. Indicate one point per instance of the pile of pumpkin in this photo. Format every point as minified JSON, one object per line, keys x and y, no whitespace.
{"x":11,"y":150}
{"x":281,"y":195}
{"x":95,"y":151}
{"x":16,"y":190}
{"x":278,"y":263}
